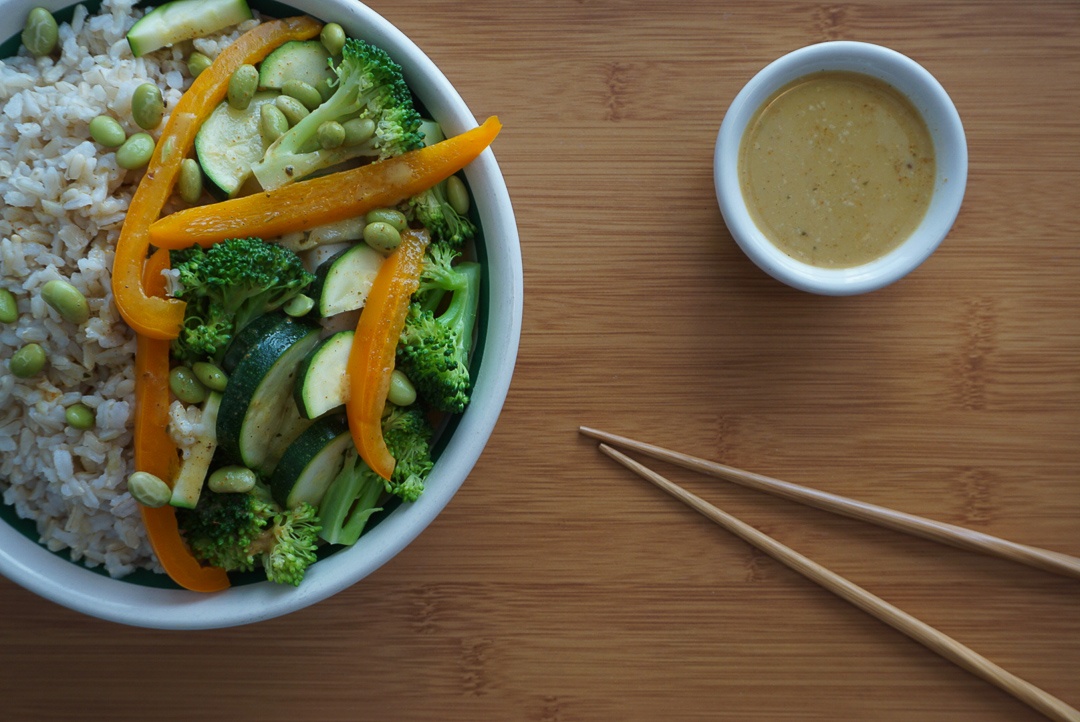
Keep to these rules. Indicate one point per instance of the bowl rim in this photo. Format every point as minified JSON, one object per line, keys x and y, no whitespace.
{"x":72,"y":585}
{"x":950,"y":146}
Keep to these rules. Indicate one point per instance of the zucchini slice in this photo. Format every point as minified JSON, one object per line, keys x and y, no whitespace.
{"x":243,"y":341}
{"x":184,"y":20}
{"x":342,"y":282}
{"x":323,"y":382}
{"x":228,"y":143}
{"x":258,"y":417}
{"x":305,"y":60}
{"x":188,"y":485}
{"x":311,"y":463}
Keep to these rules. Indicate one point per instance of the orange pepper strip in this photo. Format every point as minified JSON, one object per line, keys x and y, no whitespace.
{"x":154,"y":316}
{"x":371,"y":358}
{"x":334,"y":197}
{"x":156,"y":452}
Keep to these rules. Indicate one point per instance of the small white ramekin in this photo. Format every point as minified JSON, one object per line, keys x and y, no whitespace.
{"x":950,"y":149}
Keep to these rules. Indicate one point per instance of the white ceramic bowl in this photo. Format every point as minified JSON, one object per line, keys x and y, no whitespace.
{"x":950,"y":148}
{"x":72,"y":585}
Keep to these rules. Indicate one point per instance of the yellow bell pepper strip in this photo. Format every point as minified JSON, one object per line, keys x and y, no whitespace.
{"x":155,"y":451}
{"x":317,"y":201}
{"x":371,"y":358}
{"x":160,"y":317}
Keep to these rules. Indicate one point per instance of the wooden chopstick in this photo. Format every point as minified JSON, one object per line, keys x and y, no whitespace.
{"x":950,"y":534}
{"x":937,"y":641}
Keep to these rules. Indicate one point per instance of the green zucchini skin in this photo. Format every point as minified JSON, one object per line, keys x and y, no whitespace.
{"x":257,"y":409}
{"x":311,"y":463}
{"x":243,"y":341}
{"x":321,"y":385}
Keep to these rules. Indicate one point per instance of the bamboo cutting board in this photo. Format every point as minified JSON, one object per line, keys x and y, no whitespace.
{"x":557,"y":585}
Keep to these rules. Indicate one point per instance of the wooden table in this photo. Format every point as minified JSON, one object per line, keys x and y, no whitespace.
{"x":556,"y":585}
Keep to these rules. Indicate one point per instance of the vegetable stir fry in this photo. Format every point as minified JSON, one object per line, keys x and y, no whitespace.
{"x":309,"y":315}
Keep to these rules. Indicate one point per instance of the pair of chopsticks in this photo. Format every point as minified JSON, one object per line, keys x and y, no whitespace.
{"x":946,"y":646}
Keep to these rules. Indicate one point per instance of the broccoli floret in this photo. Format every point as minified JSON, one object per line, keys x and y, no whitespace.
{"x":434,"y":348}
{"x":240,"y":531}
{"x":227,"y":286}
{"x":433,"y":210}
{"x":354,"y":495}
{"x":408,"y":437}
{"x":350,"y":501}
{"x":370,"y":86}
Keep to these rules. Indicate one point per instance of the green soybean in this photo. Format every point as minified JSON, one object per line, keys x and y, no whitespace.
{"x":402,"y":392}
{"x":9,"y":307}
{"x":210,"y":375}
{"x":148,"y":489}
{"x":186,"y":386}
{"x":388,"y":215}
{"x":189,"y":182}
{"x":232,"y":480}
{"x":299,"y":305}
{"x":358,"y":130}
{"x":197,"y":62}
{"x":147,"y":106}
{"x":27,"y":361}
{"x":272,"y":122}
{"x":135,"y":152}
{"x":293,"y":110}
{"x":107,"y":131}
{"x":382,"y":236}
{"x":332,"y":38}
{"x":79,"y":416}
{"x":242,"y":86}
{"x":303,"y":92}
{"x":330,"y":134}
{"x":66,"y":300}
{"x":325,"y":88}
{"x":457,"y":195}
{"x":40,"y":33}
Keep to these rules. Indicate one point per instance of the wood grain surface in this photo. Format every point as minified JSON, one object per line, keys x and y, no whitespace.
{"x":557,"y":586}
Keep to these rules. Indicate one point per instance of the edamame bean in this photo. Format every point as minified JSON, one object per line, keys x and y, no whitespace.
{"x":148,"y":489}
{"x":210,"y":375}
{"x":299,"y":305}
{"x":388,"y":215}
{"x":272,"y":122}
{"x":197,"y":62}
{"x":457,"y":195}
{"x":27,"y":361}
{"x":186,"y":386}
{"x":332,"y":38}
{"x":325,"y":88}
{"x":107,"y":131}
{"x":189,"y":182}
{"x":232,"y":480}
{"x":382,"y":236}
{"x":135,"y":152}
{"x":40,"y":33}
{"x":79,"y":416}
{"x":358,"y":130}
{"x":402,"y":392}
{"x":303,"y":92}
{"x":9,"y":307}
{"x":66,"y":300}
{"x":147,"y":106}
{"x":292,"y":108}
{"x":330,"y":134}
{"x":242,"y":86}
